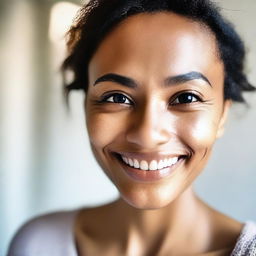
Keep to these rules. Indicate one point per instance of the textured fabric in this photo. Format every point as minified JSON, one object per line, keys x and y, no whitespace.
{"x":246,"y":243}
{"x":52,"y":235}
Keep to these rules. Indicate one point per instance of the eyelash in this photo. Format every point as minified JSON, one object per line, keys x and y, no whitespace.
{"x":195,"y":97}
{"x":105,"y":98}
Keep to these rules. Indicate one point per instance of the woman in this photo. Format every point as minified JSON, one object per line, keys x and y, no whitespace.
{"x":159,"y":78}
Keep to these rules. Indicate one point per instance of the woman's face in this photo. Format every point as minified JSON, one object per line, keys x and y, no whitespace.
{"x":154,"y":106}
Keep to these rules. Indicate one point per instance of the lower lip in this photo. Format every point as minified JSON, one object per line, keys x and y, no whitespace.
{"x":149,"y":176}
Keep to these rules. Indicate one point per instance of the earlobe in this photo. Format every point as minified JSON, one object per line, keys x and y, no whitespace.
{"x":221,"y":127}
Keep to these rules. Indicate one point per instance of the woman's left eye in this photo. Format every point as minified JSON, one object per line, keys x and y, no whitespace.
{"x":117,"y":98}
{"x":185,"y":98}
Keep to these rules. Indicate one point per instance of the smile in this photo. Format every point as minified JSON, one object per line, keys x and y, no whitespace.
{"x":153,"y":165}
{"x":149,"y":167}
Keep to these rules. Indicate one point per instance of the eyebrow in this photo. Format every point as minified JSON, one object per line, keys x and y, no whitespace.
{"x":172,"y":80}
{"x":123,"y":80}
{"x":179,"y":79}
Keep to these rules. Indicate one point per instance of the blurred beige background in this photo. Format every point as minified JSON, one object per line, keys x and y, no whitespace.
{"x":45,"y":160}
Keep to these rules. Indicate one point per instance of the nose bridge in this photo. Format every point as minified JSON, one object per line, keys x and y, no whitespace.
{"x":149,"y":127}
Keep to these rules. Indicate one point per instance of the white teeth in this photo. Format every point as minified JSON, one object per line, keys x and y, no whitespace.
{"x":165,"y":162}
{"x":143,"y":165}
{"x":136,"y":163}
{"x":175,"y":160}
{"x":160,"y":165}
{"x":130,"y":162}
{"x":153,"y":165}
{"x":125,"y":159}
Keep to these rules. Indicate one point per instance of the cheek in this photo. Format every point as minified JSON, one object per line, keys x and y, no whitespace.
{"x":199,"y":130}
{"x":103,"y":128}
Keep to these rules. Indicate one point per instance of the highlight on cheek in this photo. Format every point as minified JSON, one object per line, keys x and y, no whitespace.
{"x":203,"y":130}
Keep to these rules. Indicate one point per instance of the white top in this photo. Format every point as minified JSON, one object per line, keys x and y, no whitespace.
{"x":47,"y":235}
{"x":53,"y":235}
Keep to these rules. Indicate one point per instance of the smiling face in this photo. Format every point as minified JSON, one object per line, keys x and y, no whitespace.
{"x":154,"y":106}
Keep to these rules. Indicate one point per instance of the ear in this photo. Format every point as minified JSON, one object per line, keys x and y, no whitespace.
{"x":226,"y":106}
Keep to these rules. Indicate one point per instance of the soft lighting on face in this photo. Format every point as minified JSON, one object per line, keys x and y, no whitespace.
{"x":61,"y":18}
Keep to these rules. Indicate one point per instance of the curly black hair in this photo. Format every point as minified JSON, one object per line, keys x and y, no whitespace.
{"x":96,"y":19}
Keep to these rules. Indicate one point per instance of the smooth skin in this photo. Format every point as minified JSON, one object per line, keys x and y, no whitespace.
{"x":150,"y":117}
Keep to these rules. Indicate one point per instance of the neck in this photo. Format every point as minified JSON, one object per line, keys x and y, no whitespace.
{"x":175,"y":221}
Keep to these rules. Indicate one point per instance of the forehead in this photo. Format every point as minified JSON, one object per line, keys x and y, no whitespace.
{"x":158,"y":43}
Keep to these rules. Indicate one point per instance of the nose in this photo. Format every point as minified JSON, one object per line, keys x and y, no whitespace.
{"x":150,"y":127}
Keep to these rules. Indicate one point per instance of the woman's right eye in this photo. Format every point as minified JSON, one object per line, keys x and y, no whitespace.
{"x":117,"y":98}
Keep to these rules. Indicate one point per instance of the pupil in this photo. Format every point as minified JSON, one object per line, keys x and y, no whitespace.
{"x":185,"y":98}
{"x":119,"y":98}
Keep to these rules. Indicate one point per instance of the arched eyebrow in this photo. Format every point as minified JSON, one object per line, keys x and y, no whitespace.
{"x":123,"y":80}
{"x":183,"y":78}
{"x":131,"y":83}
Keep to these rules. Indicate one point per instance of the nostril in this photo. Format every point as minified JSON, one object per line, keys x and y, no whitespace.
{"x":149,"y":129}
{"x":147,"y":138}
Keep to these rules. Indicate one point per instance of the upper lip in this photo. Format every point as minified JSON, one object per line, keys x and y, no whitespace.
{"x":150,"y":156}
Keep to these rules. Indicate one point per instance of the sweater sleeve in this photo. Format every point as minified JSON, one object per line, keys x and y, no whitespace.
{"x":246,"y":243}
{"x":46,"y":235}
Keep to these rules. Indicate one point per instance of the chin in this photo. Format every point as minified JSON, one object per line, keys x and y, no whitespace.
{"x":146,"y":205}
{"x":147,"y":200}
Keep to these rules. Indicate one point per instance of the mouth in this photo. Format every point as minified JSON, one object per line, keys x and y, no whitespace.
{"x":152,"y":165}
{"x":146,"y":169}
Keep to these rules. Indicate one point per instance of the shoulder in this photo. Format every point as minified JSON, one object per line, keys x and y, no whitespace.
{"x":49,"y":234}
{"x":246,"y":243}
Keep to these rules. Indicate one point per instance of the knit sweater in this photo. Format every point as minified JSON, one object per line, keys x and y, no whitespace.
{"x":53,"y":234}
{"x":246,"y":243}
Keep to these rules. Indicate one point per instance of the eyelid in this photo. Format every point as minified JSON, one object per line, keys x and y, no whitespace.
{"x":193,"y":93}
{"x":107,"y":95}
{"x":197,"y":95}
